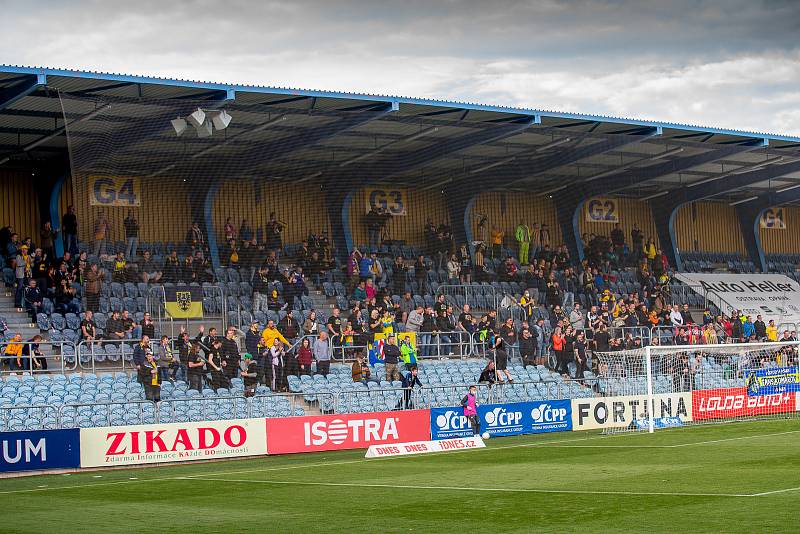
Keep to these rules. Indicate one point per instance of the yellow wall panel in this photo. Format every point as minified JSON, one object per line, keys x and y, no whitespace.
{"x":19,"y":206}
{"x":630,"y":212}
{"x":410,"y":227}
{"x":507,"y":210}
{"x":783,"y":241}
{"x":301,"y":206}
{"x":708,"y":227}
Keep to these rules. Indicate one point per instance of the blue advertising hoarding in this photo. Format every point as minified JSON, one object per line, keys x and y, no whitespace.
{"x":40,"y":449}
{"x":773,"y":381}
{"x":510,"y":419}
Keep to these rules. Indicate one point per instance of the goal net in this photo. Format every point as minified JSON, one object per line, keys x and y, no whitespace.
{"x":668,"y":386}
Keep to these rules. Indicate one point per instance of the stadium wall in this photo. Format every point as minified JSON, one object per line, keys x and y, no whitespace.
{"x":419,"y":205}
{"x":506,"y":210}
{"x":774,"y":241}
{"x":709,"y":227}
{"x":629,"y":212}
{"x":19,"y":206}
{"x":164,"y":211}
{"x":301,"y":206}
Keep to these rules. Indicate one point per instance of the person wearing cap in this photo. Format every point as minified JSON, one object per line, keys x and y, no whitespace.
{"x":360,"y":371}
{"x":391,"y":357}
{"x":250,"y":375}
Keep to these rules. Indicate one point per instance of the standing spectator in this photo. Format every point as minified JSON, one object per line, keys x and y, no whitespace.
{"x":246,"y":231}
{"x":359,"y":371}
{"x":415,"y":319}
{"x":454,"y":269}
{"x":195,"y":237}
{"x":229,"y":230}
{"x":47,"y":239}
{"x":580,"y":356}
{"x":172,"y":268}
{"x":93,"y":284}
{"x":409,"y":380}
{"x":23,"y":263}
{"x":559,"y":343}
{"x":69,"y":227}
{"x":305,"y":357}
{"x":196,"y":367}
{"x":250,"y":375}
{"x":102,"y":233}
{"x":497,"y":241}
{"x":273,"y":231}
{"x":322,"y":353}
{"x":149,"y":377}
{"x":310,"y":325}
{"x":131,"y":235}
{"x":391,"y":357}
{"x":276,"y":366}
{"x":527,"y":347}
{"x":421,"y":275}
{"x":140,"y":351}
{"x":230,"y":354}
{"x":523,"y":236}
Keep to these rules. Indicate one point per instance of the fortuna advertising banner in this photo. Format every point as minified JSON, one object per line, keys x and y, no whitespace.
{"x":623,"y":411}
{"x":773,"y":296}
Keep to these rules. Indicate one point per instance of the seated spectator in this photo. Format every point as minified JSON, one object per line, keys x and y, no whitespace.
{"x":172,"y":268}
{"x":360,"y":371}
{"x":120,"y":270}
{"x":88,"y":327}
{"x":33,"y":299}
{"x":65,"y":298}
{"x":13,"y":353}
{"x":33,"y":358}
{"x":148,"y":269}
{"x":114,"y":328}
{"x":370,"y":289}
{"x":360,"y":292}
{"x":129,"y":326}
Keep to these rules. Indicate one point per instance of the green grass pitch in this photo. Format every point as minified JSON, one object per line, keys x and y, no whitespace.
{"x":742,"y":477}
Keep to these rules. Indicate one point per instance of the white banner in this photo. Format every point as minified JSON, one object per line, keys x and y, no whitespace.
{"x":424,"y":447}
{"x":773,"y":296}
{"x":607,"y":412}
{"x":172,"y":442}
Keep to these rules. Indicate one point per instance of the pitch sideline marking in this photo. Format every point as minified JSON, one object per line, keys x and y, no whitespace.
{"x":467,"y":488}
{"x":776,"y":491}
{"x":359,"y":460}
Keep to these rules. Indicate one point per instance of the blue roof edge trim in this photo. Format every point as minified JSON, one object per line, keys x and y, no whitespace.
{"x":394,"y":100}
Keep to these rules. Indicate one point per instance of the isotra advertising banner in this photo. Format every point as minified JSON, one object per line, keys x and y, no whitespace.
{"x":346,"y":431}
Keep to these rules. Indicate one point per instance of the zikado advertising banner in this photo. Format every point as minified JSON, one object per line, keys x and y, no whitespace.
{"x":172,"y":442}
{"x":346,"y":431}
{"x":773,"y":296}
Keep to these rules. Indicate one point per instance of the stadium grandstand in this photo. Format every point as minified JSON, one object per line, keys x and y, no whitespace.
{"x":155,"y":231}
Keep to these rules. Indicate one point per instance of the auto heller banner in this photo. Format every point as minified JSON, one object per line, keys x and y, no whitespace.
{"x":39,"y":449}
{"x":172,"y":442}
{"x":287,"y":435}
{"x":504,"y":419}
{"x":726,"y":403}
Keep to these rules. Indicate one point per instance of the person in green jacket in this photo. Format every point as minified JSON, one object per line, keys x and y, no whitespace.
{"x":523,"y":235}
{"x":408,"y":354}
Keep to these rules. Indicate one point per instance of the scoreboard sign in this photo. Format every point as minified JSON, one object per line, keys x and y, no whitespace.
{"x":602,"y":210}
{"x":114,"y":191}
{"x":393,"y":201}
{"x":773,"y":219}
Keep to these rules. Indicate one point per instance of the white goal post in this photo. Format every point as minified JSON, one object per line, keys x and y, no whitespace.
{"x":675,"y":385}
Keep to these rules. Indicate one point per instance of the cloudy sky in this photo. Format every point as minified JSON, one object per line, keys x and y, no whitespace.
{"x":731,"y":63}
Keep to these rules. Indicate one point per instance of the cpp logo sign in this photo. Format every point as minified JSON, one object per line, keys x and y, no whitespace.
{"x":550,"y":416}
{"x":500,"y":417}
{"x":451,"y":420}
{"x":503,"y":419}
{"x":449,"y":423}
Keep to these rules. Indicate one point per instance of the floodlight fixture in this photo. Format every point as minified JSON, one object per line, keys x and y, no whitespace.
{"x":221,"y":120}
{"x":179,"y":125}
{"x":205,"y":129}
{"x":196,"y":118}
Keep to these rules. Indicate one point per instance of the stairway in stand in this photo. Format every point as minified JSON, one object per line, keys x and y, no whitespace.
{"x":18,"y":322}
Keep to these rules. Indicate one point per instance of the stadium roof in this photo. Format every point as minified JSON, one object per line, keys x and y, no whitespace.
{"x":419,"y":142}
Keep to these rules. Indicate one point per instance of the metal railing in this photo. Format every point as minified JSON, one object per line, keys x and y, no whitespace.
{"x":54,"y":356}
{"x":480,"y":298}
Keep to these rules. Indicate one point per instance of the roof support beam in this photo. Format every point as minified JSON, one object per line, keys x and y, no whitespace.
{"x":21,"y":90}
